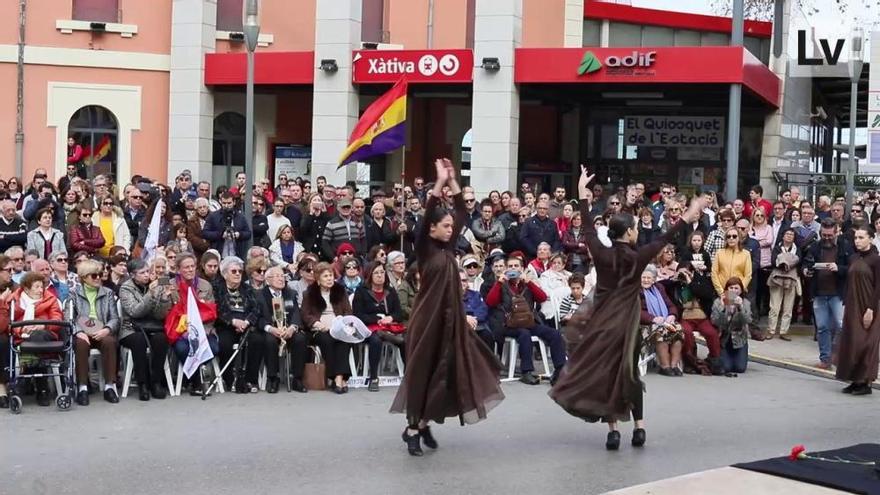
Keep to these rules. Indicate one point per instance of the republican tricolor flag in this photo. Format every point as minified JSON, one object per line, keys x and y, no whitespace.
{"x":381,"y":128}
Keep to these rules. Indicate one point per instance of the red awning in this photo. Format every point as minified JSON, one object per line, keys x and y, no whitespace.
{"x":647,"y":65}
{"x":269,"y":68}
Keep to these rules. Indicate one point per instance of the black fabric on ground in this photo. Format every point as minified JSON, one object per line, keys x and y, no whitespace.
{"x":852,"y":478}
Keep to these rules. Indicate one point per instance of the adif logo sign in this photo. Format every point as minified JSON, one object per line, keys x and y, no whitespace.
{"x":636,"y":62}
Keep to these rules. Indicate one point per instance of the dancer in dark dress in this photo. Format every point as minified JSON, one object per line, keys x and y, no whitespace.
{"x":601,"y":379}
{"x":860,"y":339}
{"x":450,"y":371}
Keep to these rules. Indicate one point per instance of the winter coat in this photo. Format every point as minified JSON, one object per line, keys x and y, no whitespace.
{"x":121,"y":234}
{"x":37,"y":242}
{"x":105,"y":307}
{"x":85,"y":238}
{"x":141,"y":305}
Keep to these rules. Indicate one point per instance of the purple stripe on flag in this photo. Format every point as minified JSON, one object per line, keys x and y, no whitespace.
{"x":389,"y":140}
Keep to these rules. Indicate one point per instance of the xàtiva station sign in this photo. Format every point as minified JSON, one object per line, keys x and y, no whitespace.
{"x":418,"y":66}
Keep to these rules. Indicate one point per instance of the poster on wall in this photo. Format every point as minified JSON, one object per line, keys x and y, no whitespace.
{"x":673,"y":131}
{"x":292,"y":160}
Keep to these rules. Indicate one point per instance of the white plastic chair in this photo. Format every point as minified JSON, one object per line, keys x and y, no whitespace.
{"x":220,"y":389}
{"x":510,"y":353}
{"x":128,"y":366}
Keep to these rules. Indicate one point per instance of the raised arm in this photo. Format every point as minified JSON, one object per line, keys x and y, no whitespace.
{"x":598,"y":251}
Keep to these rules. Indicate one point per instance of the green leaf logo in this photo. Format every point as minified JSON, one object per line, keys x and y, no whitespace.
{"x":590,"y":63}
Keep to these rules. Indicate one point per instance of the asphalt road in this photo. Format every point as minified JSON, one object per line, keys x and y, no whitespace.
{"x":323,"y":443}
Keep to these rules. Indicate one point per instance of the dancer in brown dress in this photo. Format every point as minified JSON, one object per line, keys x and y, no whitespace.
{"x":601,"y":379}
{"x":450,"y":371}
{"x":860,"y":339}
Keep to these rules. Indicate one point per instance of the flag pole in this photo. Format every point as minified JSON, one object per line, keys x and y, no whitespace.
{"x":402,"y":193}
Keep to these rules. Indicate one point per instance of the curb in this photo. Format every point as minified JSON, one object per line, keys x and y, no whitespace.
{"x":800,"y":368}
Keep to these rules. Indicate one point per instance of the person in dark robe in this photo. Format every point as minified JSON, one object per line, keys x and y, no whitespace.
{"x":450,"y":372}
{"x":601,"y":380}
{"x":857,"y":355}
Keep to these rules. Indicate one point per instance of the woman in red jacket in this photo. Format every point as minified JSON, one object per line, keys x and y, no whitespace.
{"x":32,"y":302}
{"x":85,"y":236}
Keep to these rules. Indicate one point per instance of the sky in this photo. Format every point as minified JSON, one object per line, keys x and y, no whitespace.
{"x":829,"y":21}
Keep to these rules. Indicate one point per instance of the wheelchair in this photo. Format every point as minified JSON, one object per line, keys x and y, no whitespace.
{"x":56,"y":356}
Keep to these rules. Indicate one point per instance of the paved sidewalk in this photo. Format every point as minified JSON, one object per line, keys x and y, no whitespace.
{"x":801,"y":354}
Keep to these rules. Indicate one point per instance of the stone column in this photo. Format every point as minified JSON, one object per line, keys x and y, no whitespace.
{"x":495,"y":121}
{"x":872,"y":164}
{"x":190,"y":102}
{"x":335,"y":101}
{"x":574,"y":24}
{"x":782,"y":149}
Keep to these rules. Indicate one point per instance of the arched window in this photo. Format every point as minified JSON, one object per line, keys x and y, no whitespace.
{"x":228,"y":156}
{"x":95,"y":129}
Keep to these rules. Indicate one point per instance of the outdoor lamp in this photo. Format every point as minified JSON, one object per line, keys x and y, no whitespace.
{"x":491,"y":64}
{"x":856,"y":57}
{"x":329,"y":65}
{"x":250,"y":24}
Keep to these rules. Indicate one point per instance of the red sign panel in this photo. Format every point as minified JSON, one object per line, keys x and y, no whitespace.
{"x":419,"y":66}
{"x":645,"y":65}
{"x":269,"y":68}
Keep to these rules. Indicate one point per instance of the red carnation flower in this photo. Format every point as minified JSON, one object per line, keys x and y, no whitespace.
{"x":797,"y":452}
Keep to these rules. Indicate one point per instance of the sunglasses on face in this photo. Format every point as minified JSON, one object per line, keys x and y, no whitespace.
{"x":350,"y":267}
{"x":93,"y":276}
{"x":472,"y":266}
{"x":260,"y":271}
{"x":733,"y":237}
{"x":469,"y":200}
{"x":61,"y":260}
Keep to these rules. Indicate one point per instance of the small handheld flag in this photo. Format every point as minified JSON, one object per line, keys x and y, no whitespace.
{"x":381,"y":128}
{"x":199,"y":350}
{"x":151,"y":243}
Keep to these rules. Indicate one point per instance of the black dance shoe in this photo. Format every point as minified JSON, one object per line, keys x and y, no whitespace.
{"x":82,"y":397}
{"x":297,"y":385}
{"x":374,"y":385}
{"x":427,"y":437}
{"x":143,"y":393}
{"x":613,"y":440}
{"x":639,"y":437}
{"x":849,"y":388}
{"x":413,"y":443}
{"x":158,"y":391}
{"x":43,"y":398}
{"x":863,"y":389}
{"x":272,"y":387}
{"x":111,"y":396}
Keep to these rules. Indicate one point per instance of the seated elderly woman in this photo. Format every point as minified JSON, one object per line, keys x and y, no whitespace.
{"x":256,"y":273}
{"x":377,"y":305}
{"x":188,"y":278}
{"x":661,"y":316}
{"x":281,"y":327}
{"x":541,"y":262}
{"x":305,"y":275}
{"x":32,"y":302}
{"x":554,"y":283}
{"x":144,"y":305}
{"x":323,"y":301}
{"x":731,"y":313}
{"x":237,"y":311}
{"x":395,"y":268}
{"x":96,"y":325}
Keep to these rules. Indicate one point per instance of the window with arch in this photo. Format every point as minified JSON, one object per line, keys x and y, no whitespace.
{"x":95,"y":130}
{"x":228,"y":155}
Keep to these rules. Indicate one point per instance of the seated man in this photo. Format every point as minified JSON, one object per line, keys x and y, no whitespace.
{"x":517,"y":294}
{"x":280,"y":321}
{"x":476,"y":310}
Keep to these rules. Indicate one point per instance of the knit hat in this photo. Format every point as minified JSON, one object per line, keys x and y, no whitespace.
{"x":345,"y":246}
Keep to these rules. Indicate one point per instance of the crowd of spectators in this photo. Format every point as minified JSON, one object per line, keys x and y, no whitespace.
{"x":312,"y":252}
